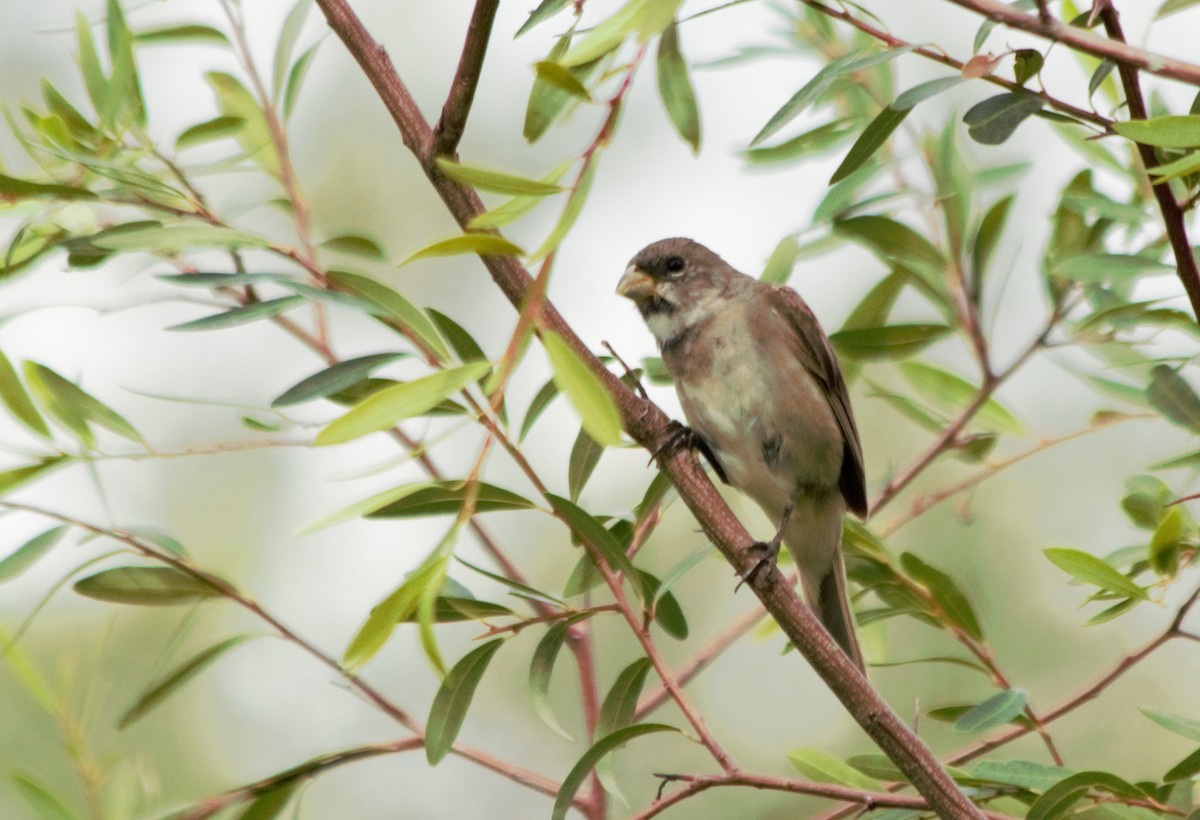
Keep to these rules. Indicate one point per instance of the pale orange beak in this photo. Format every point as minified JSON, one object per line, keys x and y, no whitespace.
{"x":637,"y":285}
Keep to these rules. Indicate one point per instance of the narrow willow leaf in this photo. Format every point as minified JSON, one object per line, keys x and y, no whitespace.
{"x":1184,"y":166}
{"x":15,"y":477}
{"x":952,"y":392}
{"x":781,"y":262}
{"x":822,"y":767}
{"x":483,"y":244}
{"x":126,"y":86}
{"x":516,"y":207}
{"x":585,"y":527}
{"x":334,"y":379}
{"x":545,"y":10}
{"x":1020,"y":773}
{"x":1167,"y":541}
{"x":484,"y":179}
{"x":675,"y":88}
{"x":667,"y":612}
{"x":1102,"y":267}
{"x":546,"y":99}
{"x":11,"y":187}
{"x":521,"y":590}
{"x":963,"y":662}
{"x":453,"y":699}
{"x":606,"y":744}
{"x":1089,"y":569}
{"x":542,"y":667}
{"x":620,"y":704}
{"x":571,"y":210}
{"x":876,"y":306}
{"x":585,"y":455}
{"x":987,"y":239}
{"x":357,"y":245}
{"x":395,"y":306}
{"x":1162,"y":132}
{"x":1180,"y":725}
{"x":1172,"y":396}
{"x":209,"y":131}
{"x":269,"y":804}
{"x":286,"y":44}
{"x":99,"y":91}
{"x":242,"y":315}
{"x":28,"y":553}
{"x":13,"y":394}
{"x":541,"y":401}
{"x":607,"y":35}
{"x":1173,"y":6}
{"x":562,"y":78}
{"x":176,"y":239}
{"x":1145,"y":501}
{"x":255,"y":138}
{"x":1102,"y":72}
{"x":449,"y":609}
{"x":821,"y":138}
{"x":295,"y":79}
{"x":585,"y":391}
{"x":424,"y":581}
{"x":869,"y":141}
{"x":188,"y":33}
{"x":946,"y":593}
{"x":891,"y":240}
{"x":919,"y":93}
{"x":994,"y":120}
{"x":382,"y":410}
{"x":447,"y":498}
{"x":1184,"y":769}
{"x":58,"y":105}
{"x":888,"y":342}
{"x":1057,"y":801}
{"x":167,"y":685}
{"x":44,"y":803}
{"x":75,"y":406}
{"x":360,"y":508}
{"x":997,"y":710}
{"x":146,"y":586}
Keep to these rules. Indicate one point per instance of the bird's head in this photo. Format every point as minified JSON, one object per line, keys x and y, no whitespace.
{"x":674,"y":283}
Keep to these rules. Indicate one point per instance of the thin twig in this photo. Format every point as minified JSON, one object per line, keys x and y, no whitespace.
{"x":449,"y":129}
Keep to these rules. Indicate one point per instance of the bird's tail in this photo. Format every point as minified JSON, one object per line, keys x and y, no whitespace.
{"x":829,"y":600}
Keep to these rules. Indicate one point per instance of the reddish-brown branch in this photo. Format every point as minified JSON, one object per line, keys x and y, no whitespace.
{"x":450,"y":127}
{"x":647,"y":424}
{"x":1172,"y":214}
{"x":1079,"y":39}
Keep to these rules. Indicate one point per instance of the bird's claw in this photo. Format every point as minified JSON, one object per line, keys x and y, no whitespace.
{"x":681,"y":437}
{"x":770,"y":551}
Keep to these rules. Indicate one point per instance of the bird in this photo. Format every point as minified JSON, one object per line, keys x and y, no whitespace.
{"x":766,"y":404}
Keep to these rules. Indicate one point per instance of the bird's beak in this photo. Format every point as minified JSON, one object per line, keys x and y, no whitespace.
{"x":637,"y":285}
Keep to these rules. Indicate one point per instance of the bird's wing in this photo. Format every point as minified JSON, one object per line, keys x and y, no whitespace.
{"x":811,"y":347}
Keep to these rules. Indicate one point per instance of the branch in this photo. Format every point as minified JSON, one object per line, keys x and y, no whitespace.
{"x":450,"y":127}
{"x":1172,"y":214}
{"x":1083,"y":40}
{"x":647,"y":424}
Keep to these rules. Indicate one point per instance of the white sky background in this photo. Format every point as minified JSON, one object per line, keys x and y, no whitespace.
{"x":268,"y":707}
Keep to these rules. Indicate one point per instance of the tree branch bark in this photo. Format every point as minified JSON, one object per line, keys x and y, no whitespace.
{"x":647,"y":424}
{"x":450,"y":127}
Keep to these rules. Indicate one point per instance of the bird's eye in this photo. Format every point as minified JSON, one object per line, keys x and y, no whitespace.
{"x":675,"y":264}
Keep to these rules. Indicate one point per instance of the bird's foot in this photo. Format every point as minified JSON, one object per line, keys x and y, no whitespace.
{"x":681,"y":437}
{"x":770,"y":555}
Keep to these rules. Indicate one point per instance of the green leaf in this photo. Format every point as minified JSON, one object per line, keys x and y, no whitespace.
{"x":334,"y":379}
{"x":74,"y":406}
{"x":571,"y":210}
{"x":1162,"y":132}
{"x":1089,"y":569}
{"x":1174,"y":398}
{"x":585,"y":527}
{"x":1146,"y":499}
{"x":364,"y":507}
{"x":357,"y":245}
{"x":43,"y":802}
{"x":176,"y":239}
{"x":1184,"y":769}
{"x":13,"y":394}
{"x":1027,"y":63}
{"x":241,"y":315}
{"x":547,"y":100}
{"x":675,"y":88}
{"x":869,"y":141}
{"x":987,"y":239}
{"x":269,"y":804}
{"x":1184,"y":166}
{"x":99,"y":91}
{"x":810,"y":142}
{"x":946,"y":594}
{"x":453,"y":699}
{"x":877,"y":766}
{"x":888,"y":342}
{"x":1173,"y":6}
{"x":891,"y":240}
{"x":667,"y":612}
{"x":449,"y":609}
{"x":157,"y":693}
{"x":542,"y":667}
{"x":997,"y":710}
{"x":545,"y":10}
{"x":15,"y":477}
{"x":447,"y":497}
{"x":28,"y":553}
{"x":620,"y":704}
{"x":483,"y":244}
{"x":1180,"y":725}
{"x":562,"y":78}
{"x":1020,"y":773}
{"x":1057,"y":801}
{"x":293,"y":24}
{"x":146,"y":586}
{"x":395,"y":306}
{"x":607,"y":35}
{"x":1166,"y":541}
{"x":125,"y":86}
{"x":951,"y":392}
{"x":255,"y":138}
{"x":541,"y":401}
{"x":585,"y":391}
{"x":585,"y":455}
{"x":382,"y":410}
{"x":919,"y":93}
{"x":13,"y":188}
{"x":1103,"y":267}
{"x":187,"y":33}
{"x":993,"y":121}
{"x":296,"y":79}
{"x":606,"y":744}
{"x":781,"y":262}
{"x":208,"y":131}
{"x":822,"y":767}
{"x":516,"y":207}
{"x":499,"y":182}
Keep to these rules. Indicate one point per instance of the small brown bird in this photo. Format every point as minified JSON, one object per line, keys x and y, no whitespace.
{"x":766,"y":402}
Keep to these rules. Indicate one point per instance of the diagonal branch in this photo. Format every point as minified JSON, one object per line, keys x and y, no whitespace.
{"x":647,"y":424}
{"x":1083,"y":40}
{"x":450,"y":127}
{"x":1172,"y":214}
